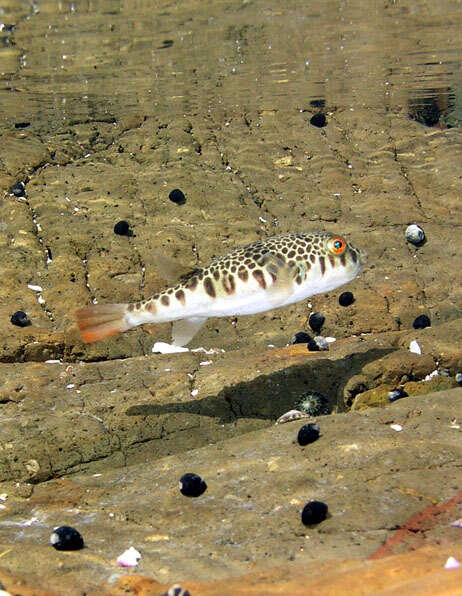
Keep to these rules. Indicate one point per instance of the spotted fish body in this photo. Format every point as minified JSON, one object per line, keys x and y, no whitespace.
{"x":267,"y":274}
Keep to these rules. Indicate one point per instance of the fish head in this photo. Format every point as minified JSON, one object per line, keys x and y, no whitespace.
{"x":342,"y":260}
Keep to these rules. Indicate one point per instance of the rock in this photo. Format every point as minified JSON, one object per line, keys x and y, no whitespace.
{"x":96,"y":436}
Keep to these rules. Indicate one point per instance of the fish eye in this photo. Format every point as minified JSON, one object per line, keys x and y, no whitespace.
{"x":337,"y":245}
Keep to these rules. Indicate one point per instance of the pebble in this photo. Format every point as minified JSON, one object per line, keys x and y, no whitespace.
{"x":18,"y":189}
{"x":421,"y":322}
{"x":301,"y":338}
{"x":20,"y":319}
{"x":177,"y":196}
{"x":308,"y":434}
{"x":346,"y":298}
{"x":122,"y":228}
{"x":192,"y":485}
{"x":312,"y":346}
{"x":314,"y":403}
{"x":176,"y":590}
{"x":318,"y":120}
{"x":66,"y":538}
{"x":395,"y":394}
{"x":415,"y":235}
{"x":459,"y":378}
{"x":316,"y":321}
{"x":314,"y":512}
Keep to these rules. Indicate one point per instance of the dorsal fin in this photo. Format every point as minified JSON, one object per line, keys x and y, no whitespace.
{"x":171,"y":270}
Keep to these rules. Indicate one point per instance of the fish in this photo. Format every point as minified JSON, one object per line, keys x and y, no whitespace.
{"x":267,"y":274}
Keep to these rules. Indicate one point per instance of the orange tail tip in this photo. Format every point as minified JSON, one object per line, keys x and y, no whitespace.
{"x":101,"y":320}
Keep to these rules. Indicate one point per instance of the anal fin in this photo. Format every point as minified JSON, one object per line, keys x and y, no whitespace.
{"x":184,"y":330}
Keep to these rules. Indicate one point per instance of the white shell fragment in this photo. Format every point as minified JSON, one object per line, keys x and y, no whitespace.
{"x":452,"y":563}
{"x":321,"y":342}
{"x":34,"y":288}
{"x":290,"y":416}
{"x":415,"y":235}
{"x":161,"y":347}
{"x":415,"y":348}
{"x":457,"y":523}
{"x":129,"y":558}
{"x":396,"y":427}
{"x":433,"y":374}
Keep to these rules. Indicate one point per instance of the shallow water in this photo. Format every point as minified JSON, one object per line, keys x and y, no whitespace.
{"x":67,"y":62}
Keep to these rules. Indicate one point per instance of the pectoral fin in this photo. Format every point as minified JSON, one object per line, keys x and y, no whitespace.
{"x":184,"y":330}
{"x":283,"y":276}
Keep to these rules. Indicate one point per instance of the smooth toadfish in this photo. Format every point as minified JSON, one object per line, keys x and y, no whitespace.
{"x":264,"y":275}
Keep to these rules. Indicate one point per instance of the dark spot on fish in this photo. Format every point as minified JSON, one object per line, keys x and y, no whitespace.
{"x":313,"y":258}
{"x":229,"y":284}
{"x":170,"y":291}
{"x":299,"y":279}
{"x":233,"y":269}
{"x":291,"y":254}
{"x":259,"y":276}
{"x":179,"y":295}
{"x":209,"y":287}
{"x":354,"y":256}
{"x":331,"y":260}
{"x":150,"y":306}
{"x":165,"y":300}
{"x":216,"y":275}
{"x":243,"y":274}
{"x":343,"y":259}
{"x":131,"y":307}
{"x":138,"y":305}
{"x":192,"y":283}
{"x":252,"y":265}
{"x":322,"y":264}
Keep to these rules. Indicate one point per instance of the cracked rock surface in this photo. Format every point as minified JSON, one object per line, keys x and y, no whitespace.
{"x":105,"y":111}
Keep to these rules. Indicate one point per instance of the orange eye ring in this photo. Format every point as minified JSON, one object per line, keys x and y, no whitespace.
{"x":337,"y":246}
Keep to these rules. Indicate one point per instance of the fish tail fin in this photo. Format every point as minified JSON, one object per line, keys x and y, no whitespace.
{"x":102,"y":320}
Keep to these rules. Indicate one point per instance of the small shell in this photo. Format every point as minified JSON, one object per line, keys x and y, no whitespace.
{"x":415,"y":235}
{"x":161,"y":347}
{"x":322,"y":342}
{"x":415,"y":348}
{"x":290,"y":416}
{"x":129,"y":558}
{"x":452,"y":563}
